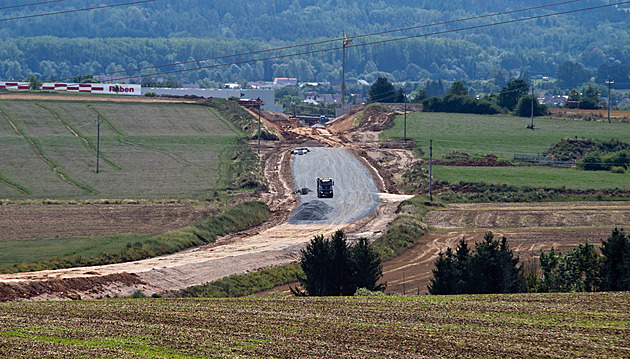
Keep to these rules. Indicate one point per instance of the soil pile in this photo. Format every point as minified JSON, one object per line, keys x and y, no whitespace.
{"x":70,"y":288}
{"x":311,"y":211}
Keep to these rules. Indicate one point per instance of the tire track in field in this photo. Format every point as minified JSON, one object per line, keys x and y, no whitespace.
{"x":53,"y":167}
{"x":13,"y":185}
{"x":86,"y":142}
{"x":121,"y":137}
{"x":111,"y":126}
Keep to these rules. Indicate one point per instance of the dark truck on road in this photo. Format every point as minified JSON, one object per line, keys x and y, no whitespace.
{"x":325,"y":187}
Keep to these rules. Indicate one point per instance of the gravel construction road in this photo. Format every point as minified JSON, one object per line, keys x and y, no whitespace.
{"x":355,"y":193}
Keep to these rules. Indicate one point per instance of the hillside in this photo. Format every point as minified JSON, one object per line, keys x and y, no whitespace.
{"x":163,"y":32}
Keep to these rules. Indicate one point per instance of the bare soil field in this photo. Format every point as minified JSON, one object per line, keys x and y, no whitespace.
{"x":602,"y":114}
{"x":27,"y":221}
{"x":529,"y":227}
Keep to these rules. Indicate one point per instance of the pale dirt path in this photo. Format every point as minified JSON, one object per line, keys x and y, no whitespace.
{"x":230,"y":255}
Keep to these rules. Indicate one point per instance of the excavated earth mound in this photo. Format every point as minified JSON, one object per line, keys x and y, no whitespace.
{"x":311,"y":211}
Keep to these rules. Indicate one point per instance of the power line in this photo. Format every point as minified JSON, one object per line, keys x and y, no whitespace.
{"x":73,"y":10}
{"x":373,"y":42}
{"x":24,"y":5}
{"x":337,"y":39}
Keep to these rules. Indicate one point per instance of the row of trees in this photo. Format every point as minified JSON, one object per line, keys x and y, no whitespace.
{"x":413,"y":60}
{"x":584,"y":269}
{"x":332,"y":267}
{"x":512,"y":98}
{"x":492,"y":268}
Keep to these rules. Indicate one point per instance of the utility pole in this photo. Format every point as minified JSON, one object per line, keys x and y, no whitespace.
{"x":430,"y":170}
{"x":609,"y":96}
{"x":259,"y":111}
{"x":98,"y":138}
{"x":343,"y":69}
{"x":531,"y":126}
{"x":405,"y":127}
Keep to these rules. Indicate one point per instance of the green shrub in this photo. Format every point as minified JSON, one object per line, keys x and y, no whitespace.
{"x":243,"y":284}
{"x":617,"y":169}
{"x":406,"y":228}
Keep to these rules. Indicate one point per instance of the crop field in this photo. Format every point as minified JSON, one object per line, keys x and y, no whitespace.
{"x":490,"y":326}
{"x":502,"y":135}
{"x":147,"y":150}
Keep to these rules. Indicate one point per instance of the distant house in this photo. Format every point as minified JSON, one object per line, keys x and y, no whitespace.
{"x":624,"y":102}
{"x":284,"y":82}
{"x":232,"y":86}
{"x":554,"y":101}
{"x":328,"y":98}
{"x":259,"y":85}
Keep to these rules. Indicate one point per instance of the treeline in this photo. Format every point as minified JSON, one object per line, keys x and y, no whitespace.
{"x":512,"y":98}
{"x":492,"y":268}
{"x":167,"y":32}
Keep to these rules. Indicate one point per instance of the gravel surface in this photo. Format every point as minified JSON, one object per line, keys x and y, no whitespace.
{"x":355,"y":193}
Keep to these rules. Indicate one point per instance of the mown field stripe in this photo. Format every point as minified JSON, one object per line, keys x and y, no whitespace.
{"x":227,"y":123}
{"x":53,"y":167}
{"x":17,"y":187}
{"x":109,"y":123}
{"x":77,"y":134}
{"x":222,"y":162}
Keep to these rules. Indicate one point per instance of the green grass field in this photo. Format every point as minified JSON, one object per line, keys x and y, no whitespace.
{"x":504,"y":135}
{"x":534,"y":176}
{"x":550,"y":325}
{"x":40,"y":249}
{"x":148,"y":150}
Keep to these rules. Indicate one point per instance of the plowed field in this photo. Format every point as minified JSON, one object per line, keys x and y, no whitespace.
{"x":568,"y":325}
{"x":97,"y":219}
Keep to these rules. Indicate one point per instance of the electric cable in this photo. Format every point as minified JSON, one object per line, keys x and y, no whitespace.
{"x":74,"y":10}
{"x":24,"y":5}
{"x":334,"y":40}
{"x":378,"y":41}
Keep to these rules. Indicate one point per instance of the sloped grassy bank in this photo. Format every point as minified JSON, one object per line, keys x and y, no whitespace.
{"x":232,"y":220}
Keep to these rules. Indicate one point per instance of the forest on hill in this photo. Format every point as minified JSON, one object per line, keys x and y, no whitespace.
{"x":441,"y":46}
